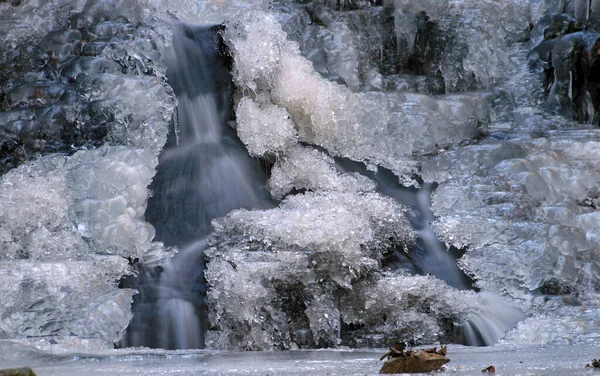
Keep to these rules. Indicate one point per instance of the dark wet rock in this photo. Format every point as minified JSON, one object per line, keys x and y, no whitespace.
{"x":583,"y":9}
{"x":570,"y":65}
{"x":25,"y":371}
{"x":552,"y":26}
{"x":425,"y":29}
{"x":555,"y":286}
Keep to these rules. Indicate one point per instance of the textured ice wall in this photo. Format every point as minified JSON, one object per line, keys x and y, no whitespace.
{"x":67,"y":225}
{"x":56,"y":282}
{"x":422,"y":308}
{"x":77,"y":75}
{"x":371,"y":126}
{"x":525,"y":210}
{"x":472,"y":37}
{"x":107,"y":189}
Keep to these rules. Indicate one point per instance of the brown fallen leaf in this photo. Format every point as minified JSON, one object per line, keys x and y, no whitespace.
{"x":490,"y":369}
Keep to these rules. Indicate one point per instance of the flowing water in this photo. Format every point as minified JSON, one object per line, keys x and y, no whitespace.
{"x":288,"y":175}
{"x":204,"y":172}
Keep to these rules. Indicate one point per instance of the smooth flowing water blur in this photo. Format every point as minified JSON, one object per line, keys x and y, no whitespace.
{"x":204,"y":172}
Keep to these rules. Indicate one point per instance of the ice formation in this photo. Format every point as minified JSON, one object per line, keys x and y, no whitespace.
{"x":75,"y":76}
{"x":107,"y":192}
{"x":298,"y":254}
{"x":529,"y":204}
{"x":303,"y":168}
{"x":55,"y":284}
{"x":371,"y":126}
{"x":265,"y":131}
{"x":84,"y":114}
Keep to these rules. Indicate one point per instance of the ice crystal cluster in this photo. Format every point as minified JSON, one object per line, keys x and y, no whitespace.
{"x":292,"y":276}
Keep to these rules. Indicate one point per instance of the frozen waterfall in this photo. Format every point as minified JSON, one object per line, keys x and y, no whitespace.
{"x":299,"y":174}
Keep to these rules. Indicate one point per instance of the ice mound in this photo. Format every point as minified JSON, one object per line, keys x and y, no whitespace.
{"x":381,"y":128}
{"x":293,"y":260}
{"x":265,"y":131}
{"x":66,"y":298}
{"x":107,"y":189}
{"x":307,"y":168}
{"x":34,"y":218}
{"x":524,"y":211}
{"x":55,"y":263}
{"x":419,"y":308}
{"x":568,"y":325}
{"x":94,"y":198}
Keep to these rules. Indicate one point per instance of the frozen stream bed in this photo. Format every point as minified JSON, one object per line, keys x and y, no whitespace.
{"x":544,"y":360}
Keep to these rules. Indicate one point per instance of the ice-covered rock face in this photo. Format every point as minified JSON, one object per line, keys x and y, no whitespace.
{"x":76,"y":75}
{"x":531,"y":214}
{"x":370,"y":126}
{"x":273,"y":275}
{"x":64,"y":74}
{"x":463,"y":41}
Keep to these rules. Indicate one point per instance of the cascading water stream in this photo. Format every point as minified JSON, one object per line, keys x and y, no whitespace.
{"x":431,"y":256}
{"x":204,"y":172}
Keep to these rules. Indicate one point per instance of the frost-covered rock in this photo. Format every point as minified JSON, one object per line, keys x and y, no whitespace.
{"x":518,"y":208}
{"x":273,"y":275}
{"x":419,"y":308}
{"x":371,"y":126}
